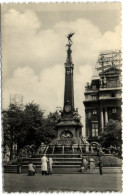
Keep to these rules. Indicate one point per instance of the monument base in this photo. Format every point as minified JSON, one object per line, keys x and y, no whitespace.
{"x":67,"y":146}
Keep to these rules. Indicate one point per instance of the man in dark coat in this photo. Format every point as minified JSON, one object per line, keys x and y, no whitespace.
{"x":100,"y":165}
{"x":19,"y":164}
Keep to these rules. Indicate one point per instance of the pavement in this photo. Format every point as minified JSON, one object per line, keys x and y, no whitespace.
{"x":62,"y":182}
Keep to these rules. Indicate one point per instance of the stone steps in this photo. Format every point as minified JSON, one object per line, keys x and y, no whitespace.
{"x":64,"y":170}
{"x":62,"y":163}
{"x":59,"y":155}
{"x":56,"y":168}
{"x":55,"y":161}
{"x":59,"y":163}
{"x":66,"y":163}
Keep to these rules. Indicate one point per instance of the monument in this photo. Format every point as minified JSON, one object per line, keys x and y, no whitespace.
{"x":69,"y":129}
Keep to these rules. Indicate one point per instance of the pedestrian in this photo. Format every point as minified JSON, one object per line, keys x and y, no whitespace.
{"x":44,"y":166}
{"x":50,"y":165}
{"x":19,"y":164}
{"x":31,"y":168}
{"x":84,"y":165}
{"x":100,"y":166}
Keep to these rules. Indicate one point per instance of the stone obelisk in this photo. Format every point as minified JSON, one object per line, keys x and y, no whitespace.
{"x":69,"y":128}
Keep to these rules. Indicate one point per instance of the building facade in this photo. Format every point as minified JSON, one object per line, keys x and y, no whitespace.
{"x":102,"y":99}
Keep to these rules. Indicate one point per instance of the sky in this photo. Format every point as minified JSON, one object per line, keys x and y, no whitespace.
{"x":34,"y":52}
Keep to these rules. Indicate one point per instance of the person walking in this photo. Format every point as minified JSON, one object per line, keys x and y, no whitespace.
{"x":44,"y":166}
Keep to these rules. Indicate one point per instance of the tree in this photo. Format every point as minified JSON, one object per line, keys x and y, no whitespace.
{"x":51,"y":122}
{"x":28,"y":126}
{"x":112,"y":134}
{"x":34,"y":124}
{"x":37,"y":128}
{"x":12,"y":125}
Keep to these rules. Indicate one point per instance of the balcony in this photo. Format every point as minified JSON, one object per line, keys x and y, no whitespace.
{"x":90,"y":100}
{"x":110,"y":88}
{"x":110,"y":85}
{"x":90,"y":88}
{"x":109,"y":98}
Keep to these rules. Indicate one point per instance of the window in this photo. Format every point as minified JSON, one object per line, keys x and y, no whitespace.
{"x":114,"y":110}
{"x":94,"y":97}
{"x":94,"y":87}
{"x":68,"y":71}
{"x":94,"y":111}
{"x":112,"y":82}
{"x":89,"y":114}
{"x":113,"y":95}
{"x":95,"y":130}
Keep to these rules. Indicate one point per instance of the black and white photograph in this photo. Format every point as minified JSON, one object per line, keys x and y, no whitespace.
{"x":61,"y":94}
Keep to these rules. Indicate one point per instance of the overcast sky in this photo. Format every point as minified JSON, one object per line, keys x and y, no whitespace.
{"x":34,"y":52}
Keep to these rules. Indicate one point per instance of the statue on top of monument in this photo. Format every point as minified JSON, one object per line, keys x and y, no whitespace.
{"x":69,"y":37}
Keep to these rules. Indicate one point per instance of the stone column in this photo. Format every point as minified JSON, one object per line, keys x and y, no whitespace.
{"x":106,"y":116}
{"x":63,"y":149}
{"x":102,"y":120}
{"x":73,"y":149}
{"x":92,"y":151}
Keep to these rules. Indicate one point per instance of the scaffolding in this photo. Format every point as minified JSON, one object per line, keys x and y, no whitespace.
{"x":108,"y":59}
{"x":16,"y":99}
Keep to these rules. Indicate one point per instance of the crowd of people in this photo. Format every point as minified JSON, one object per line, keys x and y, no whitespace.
{"x":46,"y":166}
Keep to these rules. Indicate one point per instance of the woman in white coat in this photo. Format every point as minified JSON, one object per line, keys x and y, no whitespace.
{"x":44,"y":167}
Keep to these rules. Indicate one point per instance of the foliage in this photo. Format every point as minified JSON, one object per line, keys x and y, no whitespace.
{"x":50,"y":130}
{"x":27,"y":126}
{"x":109,"y":161}
{"x":112,"y":134}
{"x":12,"y":124}
{"x":33,"y":124}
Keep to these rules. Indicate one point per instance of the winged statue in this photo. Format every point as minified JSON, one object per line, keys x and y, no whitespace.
{"x":69,"y":37}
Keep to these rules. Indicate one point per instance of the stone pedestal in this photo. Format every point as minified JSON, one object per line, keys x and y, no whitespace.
{"x":73,"y":149}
